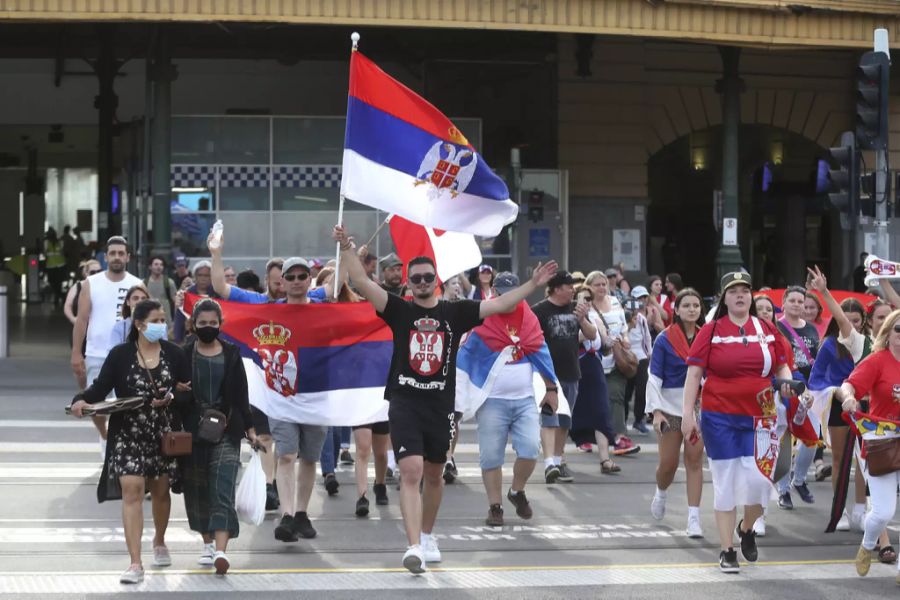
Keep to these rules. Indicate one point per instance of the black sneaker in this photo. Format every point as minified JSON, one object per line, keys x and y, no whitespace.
{"x":565,"y":475}
{"x":285,"y":531}
{"x":728,"y":562}
{"x":785,"y":502}
{"x":804,"y":492}
{"x":748,"y":543}
{"x":551,"y":474}
{"x":450,"y":471}
{"x":523,"y":508}
{"x":302,"y":526}
{"x":331,"y":484}
{"x":381,"y":497}
{"x":346,"y":458}
{"x":272,"y":502}
{"x":495,"y":516}
{"x":362,"y":506}
{"x":389,"y":475}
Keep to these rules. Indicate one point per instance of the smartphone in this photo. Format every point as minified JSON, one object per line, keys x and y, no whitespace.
{"x":546,"y":409}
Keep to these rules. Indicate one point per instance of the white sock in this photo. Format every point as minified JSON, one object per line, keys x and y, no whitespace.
{"x":693,"y":512}
{"x":513,"y":492}
{"x":548,"y":462}
{"x":661,"y":493}
{"x":557,"y":460}
{"x":424,"y":537}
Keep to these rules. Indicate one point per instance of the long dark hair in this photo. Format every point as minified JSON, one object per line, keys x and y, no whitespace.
{"x":722,"y":310}
{"x":833,"y":330}
{"x":140,"y":313}
{"x":688,"y":291}
{"x":126,"y":308}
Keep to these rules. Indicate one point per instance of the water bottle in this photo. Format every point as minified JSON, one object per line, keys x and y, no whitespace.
{"x":217,"y":228}
{"x":800,"y":415}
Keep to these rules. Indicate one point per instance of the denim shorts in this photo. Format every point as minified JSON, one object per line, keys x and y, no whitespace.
{"x":570,"y":390}
{"x":499,"y":419}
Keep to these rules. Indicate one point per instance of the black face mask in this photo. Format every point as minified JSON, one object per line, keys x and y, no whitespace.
{"x":207,"y":334}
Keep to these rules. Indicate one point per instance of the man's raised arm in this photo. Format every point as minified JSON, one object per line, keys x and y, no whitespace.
{"x":367,"y":288}
{"x":217,"y":272}
{"x":508,"y":301}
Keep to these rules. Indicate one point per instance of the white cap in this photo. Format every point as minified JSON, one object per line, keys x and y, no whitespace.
{"x":294,"y":261}
{"x":639,"y":291}
{"x":200,"y":264}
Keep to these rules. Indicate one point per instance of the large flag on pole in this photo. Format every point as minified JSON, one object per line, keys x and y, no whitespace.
{"x":317,"y":364}
{"x":403,"y":156}
{"x":451,"y":251}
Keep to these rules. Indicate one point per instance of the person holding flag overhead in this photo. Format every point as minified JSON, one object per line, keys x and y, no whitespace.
{"x":421,"y":385}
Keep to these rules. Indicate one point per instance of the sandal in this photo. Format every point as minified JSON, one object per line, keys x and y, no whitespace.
{"x":887,"y":555}
{"x":608,"y":466}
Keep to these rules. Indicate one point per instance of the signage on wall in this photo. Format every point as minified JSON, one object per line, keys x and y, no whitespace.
{"x":627,"y":248}
{"x":538,"y":242}
{"x":729,"y":232}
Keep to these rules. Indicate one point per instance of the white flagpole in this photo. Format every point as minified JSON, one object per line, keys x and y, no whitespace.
{"x":354,"y":39}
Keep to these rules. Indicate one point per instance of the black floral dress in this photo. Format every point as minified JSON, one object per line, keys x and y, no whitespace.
{"x":136,"y":449}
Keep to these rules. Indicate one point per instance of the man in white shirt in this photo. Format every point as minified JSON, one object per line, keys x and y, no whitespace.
{"x":99,"y":307}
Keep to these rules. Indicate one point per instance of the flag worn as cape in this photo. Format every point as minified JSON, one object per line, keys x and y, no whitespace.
{"x":317,"y":364}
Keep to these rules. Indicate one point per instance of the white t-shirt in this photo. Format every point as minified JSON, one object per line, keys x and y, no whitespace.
{"x":107,"y":298}
{"x":514,"y":382}
{"x":618,"y":327}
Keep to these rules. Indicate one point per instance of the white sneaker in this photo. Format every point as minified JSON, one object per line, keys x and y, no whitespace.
{"x":134,"y":574}
{"x":221,"y":562}
{"x":430,"y":550}
{"x":658,"y":507}
{"x":207,"y":555}
{"x":844,"y":523}
{"x":413,"y":560}
{"x":694,"y":530}
{"x":760,"y":526}
{"x":161,"y":557}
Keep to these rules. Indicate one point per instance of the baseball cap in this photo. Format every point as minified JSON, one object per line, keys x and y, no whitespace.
{"x":485,"y":269}
{"x":181,"y":259}
{"x":316,"y":263}
{"x":736,"y":278}
{"x":561,"y":278}
{"x":639,"y":291}
{"x":294,"y":261}
{"x":391,"y":260}
{"x":200,"y":264}
{"x":506,"y":282}
{"x":578,"y":276}
{"x":611,"y":272}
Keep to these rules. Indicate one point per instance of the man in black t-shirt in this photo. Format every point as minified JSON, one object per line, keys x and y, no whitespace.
{"x":561,"y":322}
{"x":421,"y":385}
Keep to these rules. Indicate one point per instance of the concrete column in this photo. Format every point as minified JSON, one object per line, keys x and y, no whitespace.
{"x":106,"y":103}
{"x":162,"y":74}
{"x":730,"y":86}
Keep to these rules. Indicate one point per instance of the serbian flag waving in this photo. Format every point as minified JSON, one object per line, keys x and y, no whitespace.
{"x":316,"y":364}
{"x":403,"y":156}
{"x":451,"y":251}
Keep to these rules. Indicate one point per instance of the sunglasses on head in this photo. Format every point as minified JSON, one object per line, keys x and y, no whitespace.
{"x":420,"y":277}
{"x":299,"y":276}
{"x":94,"y":272}
{"x":897,"y":328}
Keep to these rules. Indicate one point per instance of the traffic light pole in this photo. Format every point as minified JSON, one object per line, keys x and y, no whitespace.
{"x":881,"y":249}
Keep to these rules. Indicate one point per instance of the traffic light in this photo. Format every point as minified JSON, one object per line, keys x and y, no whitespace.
{"x":872,"y":82}
{"x":844,"y":194}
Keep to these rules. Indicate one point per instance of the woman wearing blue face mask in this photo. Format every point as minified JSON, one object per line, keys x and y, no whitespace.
{"x":149,"y":366}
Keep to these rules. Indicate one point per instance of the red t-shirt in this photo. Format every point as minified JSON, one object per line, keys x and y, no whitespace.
{"x":878,"y":375}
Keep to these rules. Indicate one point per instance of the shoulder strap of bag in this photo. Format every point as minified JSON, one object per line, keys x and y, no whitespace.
{"x":797,"y":339}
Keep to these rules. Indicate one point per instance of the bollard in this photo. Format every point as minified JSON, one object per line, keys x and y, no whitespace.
{"x":4,"y":322}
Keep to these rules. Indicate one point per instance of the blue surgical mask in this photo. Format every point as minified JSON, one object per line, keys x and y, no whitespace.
{"x":155,"y":331}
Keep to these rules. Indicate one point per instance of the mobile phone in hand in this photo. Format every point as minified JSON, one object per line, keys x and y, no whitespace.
{"x":546,"y":409}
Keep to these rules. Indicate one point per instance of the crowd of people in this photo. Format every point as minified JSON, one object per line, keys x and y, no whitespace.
{"x":594,"y":363}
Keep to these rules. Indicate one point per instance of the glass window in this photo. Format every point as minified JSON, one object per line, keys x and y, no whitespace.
{"x":194,"y":201}
{"x":308,"y":233}
{"x":189,"y":232}
{"x":220,"y":140}
{"x":308,"y":141}
{"x":246,"y":234}
{"x":306,"y":198}
{"x":244,"y":198}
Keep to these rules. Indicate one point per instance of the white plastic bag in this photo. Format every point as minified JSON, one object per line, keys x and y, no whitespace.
{"x":250,"y":498}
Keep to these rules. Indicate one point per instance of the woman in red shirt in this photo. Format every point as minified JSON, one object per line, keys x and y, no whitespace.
{"x":878,"y":376}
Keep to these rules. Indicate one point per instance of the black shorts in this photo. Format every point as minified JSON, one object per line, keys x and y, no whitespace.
{"x":834,"y":416}
{"x":260,"y":421}
{"x":421,"y":431}
{"x":379,"y":428}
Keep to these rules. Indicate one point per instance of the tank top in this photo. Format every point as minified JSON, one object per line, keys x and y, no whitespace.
{"x":107,"y":298}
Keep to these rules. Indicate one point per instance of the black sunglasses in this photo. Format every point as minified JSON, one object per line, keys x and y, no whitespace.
{"x":94,"y":272}
{"x":741,"y":331}
{"x":300,"y":276}
{"x":897,"y":328}
{"x":419,"y":277}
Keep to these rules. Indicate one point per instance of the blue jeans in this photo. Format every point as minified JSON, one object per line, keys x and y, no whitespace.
{"x":331,"y":450}
{"x":499,"y":419}
{"x":802,"y":461}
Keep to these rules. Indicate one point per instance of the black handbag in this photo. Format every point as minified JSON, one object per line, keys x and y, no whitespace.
{"x":212,"y":426}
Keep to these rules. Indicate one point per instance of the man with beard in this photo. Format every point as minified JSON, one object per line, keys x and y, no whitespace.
{"x":392,"y":274}
{"x":99,"y":307}
{"x":421,"y":384}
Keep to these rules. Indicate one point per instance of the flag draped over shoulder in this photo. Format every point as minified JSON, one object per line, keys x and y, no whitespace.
{"x":452,"y":252}
{"x":403,"y":156}
{"x":502,"y":339}
{"x":317,"y":364}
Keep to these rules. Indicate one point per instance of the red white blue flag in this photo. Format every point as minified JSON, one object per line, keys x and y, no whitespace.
{"x":403,"y":156}
{"x":451,"y":251}
{"x":317,"y":364}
